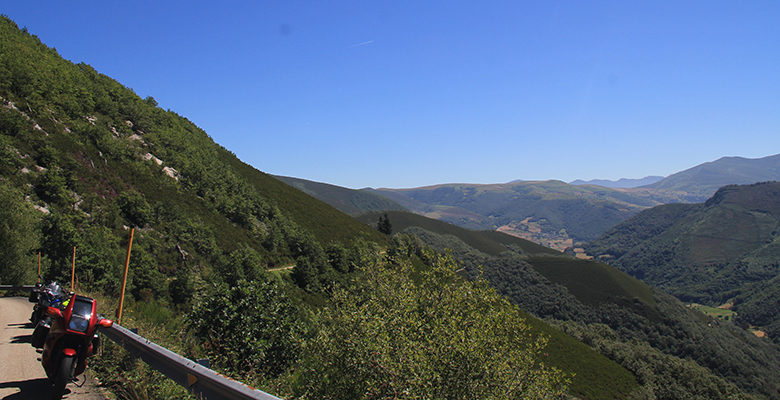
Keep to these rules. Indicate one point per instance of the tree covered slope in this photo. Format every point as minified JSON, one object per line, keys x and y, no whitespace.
{"x":724,"y":250}
{"x":96,"y":158}
{"x":637,"y":325}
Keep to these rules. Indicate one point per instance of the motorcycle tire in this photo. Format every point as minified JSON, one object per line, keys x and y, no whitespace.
{"x":63,"y":376}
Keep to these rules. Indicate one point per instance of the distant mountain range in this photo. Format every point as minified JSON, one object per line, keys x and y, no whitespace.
{"x":552,"y":213}
{"x":701,"y":182}
{"x":622,"y":183}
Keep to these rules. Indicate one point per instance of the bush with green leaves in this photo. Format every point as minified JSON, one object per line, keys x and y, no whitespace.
{"x":405,"y":334}
{"x":135,"y":208}
{"x":248,"y":331}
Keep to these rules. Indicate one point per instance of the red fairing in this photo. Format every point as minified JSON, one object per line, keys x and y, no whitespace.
{"x":70,"y":340}
{"x":92,"y":318}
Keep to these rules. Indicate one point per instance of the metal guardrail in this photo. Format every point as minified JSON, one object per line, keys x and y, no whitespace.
{"x":199,"y":380}
{"x":24,"y":288}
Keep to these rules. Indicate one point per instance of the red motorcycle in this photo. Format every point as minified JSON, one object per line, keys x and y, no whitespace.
{"x":71,"y":339}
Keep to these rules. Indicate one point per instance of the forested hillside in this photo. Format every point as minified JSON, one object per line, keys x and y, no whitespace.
{"x":97,"y":159}
{"x":721,"y":252}
{"x":642,"y":328}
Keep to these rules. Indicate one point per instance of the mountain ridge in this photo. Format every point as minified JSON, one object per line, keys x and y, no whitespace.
{"x":622,"y":183}
{"x":350,"y":201}
{"x":558,"y":214}
{"x":705,"y":179}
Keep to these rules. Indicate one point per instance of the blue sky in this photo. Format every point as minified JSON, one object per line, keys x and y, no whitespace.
{"x":404,"y":94}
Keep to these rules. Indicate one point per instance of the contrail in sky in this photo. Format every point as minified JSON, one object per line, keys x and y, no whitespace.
{"x":361,"y":44}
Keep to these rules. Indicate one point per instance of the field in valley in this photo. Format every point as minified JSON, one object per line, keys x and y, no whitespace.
{"x":529,"y":229}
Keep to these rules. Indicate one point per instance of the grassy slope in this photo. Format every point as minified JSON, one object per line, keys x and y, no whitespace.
{"x":324,"y":221}
{"x":594,"y":283}
{"x":595,"y":376}
{"x":350,"y":201}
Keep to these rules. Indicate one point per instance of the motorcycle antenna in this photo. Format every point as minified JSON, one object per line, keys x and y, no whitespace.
{"x":39,"y":267}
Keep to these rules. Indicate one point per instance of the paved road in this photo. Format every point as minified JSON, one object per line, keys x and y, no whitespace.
{"x":21,"y":373}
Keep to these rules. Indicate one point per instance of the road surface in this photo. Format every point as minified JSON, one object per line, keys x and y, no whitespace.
{"x":21,"y":373}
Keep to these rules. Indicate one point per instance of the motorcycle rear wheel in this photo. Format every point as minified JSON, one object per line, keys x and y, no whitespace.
{"x":63,"y":376}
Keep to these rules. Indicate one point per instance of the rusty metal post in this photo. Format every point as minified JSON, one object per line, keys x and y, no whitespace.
{"x":73,"y":272}
{"x":124,"y":279}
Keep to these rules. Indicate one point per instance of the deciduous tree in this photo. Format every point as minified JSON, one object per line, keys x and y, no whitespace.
{"x":19,"y":238}
{"x":431,"y":336}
